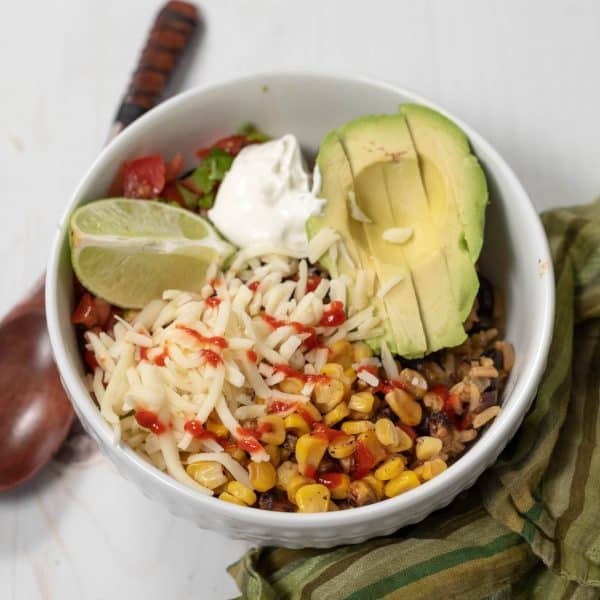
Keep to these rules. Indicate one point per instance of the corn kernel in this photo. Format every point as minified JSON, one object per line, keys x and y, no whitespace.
{"x":209,"y":474}
{"x":349,"y":378}
{"x":217,"y":428}
{"x":291,"y":385}
{"x":295,"y":483}
{"x":312,"y":411}
{"x":274,"y":453}
{"x":391,"y":468}
{"x":310,"y":449}
{"x":427,"y":447}
{"x":296,"y":423}
{"x":262,"y":476}
{"x":387,"y":432}
{"x":276,"y":427}
{"x":332,"y":506}
{"x":342,"y":447}
{"x":333,"y":370}
{"x":356,"y":427}
{"x":362,"y":402}
{"x":341,"y":411}
{"x":285,"y":472}
{"x":230,"y":498}
{"x":329,"y":394}
{"x":236,"y":453}
{"x":405,"y":406}
{"x":341,"y":352}
{"x":361,"y":493}
{"x":312,"y":498}
{"x":413,"y":382}
{"x":241,"y":492}
{"x":377,"y":486}
{"x":361,"y":351}
{"x":369,"y":440}
{"x":430,"y":469}
{"x":405,"y":442}
{"x":407,"y":480}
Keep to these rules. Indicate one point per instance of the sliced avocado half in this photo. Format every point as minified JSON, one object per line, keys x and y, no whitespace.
{"x":377,"y":159}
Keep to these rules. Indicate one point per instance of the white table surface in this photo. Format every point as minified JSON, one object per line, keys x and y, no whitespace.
{"x":524,"y":74}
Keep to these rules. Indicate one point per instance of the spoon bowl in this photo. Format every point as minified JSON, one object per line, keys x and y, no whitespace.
{"x":35,"y":413}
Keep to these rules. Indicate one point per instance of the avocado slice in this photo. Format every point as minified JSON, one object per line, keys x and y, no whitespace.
{"x":336,"y":185}
{"x":389,"y":188}
{"x":452,"y":174}
{"x":457,"y":192}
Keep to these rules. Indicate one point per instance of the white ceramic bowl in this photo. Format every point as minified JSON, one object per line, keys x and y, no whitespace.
{"x":515,"y":257}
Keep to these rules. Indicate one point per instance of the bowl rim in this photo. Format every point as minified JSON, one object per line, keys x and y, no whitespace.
{"x":487,"y":448}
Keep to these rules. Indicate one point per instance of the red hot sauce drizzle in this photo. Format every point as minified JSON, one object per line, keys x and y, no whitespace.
{"x":334,"y":315}
{"x":149,"y":420}
{"x":219,"y":341}
{"x":213,"y":301}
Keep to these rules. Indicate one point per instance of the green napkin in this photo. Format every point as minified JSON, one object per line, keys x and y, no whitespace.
{"x":530,"y":528}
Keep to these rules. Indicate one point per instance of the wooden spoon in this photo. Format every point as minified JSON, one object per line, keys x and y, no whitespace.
{"x":35,"y":414}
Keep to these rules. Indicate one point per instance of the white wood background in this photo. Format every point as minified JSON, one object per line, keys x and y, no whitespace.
{"x":525,"y":74}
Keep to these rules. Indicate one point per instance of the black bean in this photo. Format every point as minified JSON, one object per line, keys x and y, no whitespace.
{"x":423,"y":427}
{"x":274,"y":500}
{"x":416,"y":363}
{"x":485,"y":296}
{"x":488,"y":398}
{"x":290,"y":442}
{"x":497,"y":356}
{"x":439,"y":424}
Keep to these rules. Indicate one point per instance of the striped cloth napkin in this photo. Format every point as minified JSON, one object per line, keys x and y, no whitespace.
{"x":530,"y":528}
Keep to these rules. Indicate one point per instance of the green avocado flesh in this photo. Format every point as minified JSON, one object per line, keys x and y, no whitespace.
{"x":378,"y":159}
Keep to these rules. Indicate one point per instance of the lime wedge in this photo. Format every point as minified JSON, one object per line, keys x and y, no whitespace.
{"x":129,"y":251}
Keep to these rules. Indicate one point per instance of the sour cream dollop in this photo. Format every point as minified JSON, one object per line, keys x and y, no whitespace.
{"x":266,"y":197}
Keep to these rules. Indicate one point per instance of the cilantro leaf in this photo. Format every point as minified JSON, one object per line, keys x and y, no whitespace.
{"x":211,"y":170}
{"x":252,"y":133}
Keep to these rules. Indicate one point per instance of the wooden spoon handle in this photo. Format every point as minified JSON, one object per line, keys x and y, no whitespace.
{"x":170,"y":34}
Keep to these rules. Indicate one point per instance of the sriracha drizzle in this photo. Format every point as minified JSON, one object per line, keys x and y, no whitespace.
{"x":149,"y":420}
{"x":334,"y":315}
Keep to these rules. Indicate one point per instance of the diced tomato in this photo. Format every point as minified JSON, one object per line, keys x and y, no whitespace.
{"x":363,"y":461}
{"x":144,"y":177}
{"x":254,"y":285}
{"x":173,"y":167}
{"x":231,"y":144}
{"x":103,"y":310}
{"x":171,"y":193}
{"x":465,"y":422}
{"x":86,"y":313}
{"x":251,"y":355}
